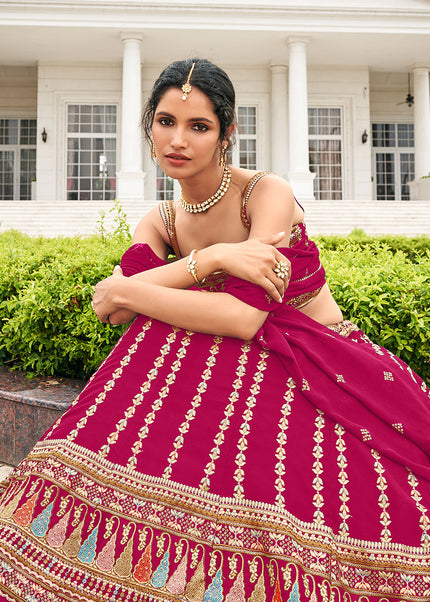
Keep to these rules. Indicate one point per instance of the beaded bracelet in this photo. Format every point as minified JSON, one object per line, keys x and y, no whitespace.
{"x":192,"y":267}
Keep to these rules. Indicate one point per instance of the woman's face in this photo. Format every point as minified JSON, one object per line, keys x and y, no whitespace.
{"x":186,"y":133}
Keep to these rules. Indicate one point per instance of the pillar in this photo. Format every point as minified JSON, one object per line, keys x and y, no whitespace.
{"x":279,"y":120}
{"x":300,"y":177}
{"x":130,"y":178}
{"x":421,"y":124}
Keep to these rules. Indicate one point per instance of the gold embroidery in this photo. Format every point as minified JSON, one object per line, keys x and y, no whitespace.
{"x":317,"y":469}
{"x":424,"y":520}
{"x":191,"y":414}
{"x":388,"y":376}
{"x":225,"y":423}
{"x":138,"y":398}
{"x":383,"y":502}
{"x":344,"y":328}
{"x":282,"y":441}
{"x":242,"y":444}
{"x":398,"y":426}
{"x":366,"y":435}
{"x":110,"y":383}
{"x":339,"y":378}
{"x":158,"y":403}
{"x":343,"y":480}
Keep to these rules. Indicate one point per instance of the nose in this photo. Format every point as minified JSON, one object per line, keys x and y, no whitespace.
{"x":178,"y":139}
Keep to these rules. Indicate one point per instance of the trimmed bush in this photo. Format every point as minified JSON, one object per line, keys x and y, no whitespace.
{"x":47,"y":325}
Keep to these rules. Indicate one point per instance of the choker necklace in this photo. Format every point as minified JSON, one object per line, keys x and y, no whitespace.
{"x":212,"y":200}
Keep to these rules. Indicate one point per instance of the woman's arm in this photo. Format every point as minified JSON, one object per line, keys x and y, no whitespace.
{"x":207,"y":312}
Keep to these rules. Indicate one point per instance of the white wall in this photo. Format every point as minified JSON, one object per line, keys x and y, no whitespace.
{"x":18,"y":91}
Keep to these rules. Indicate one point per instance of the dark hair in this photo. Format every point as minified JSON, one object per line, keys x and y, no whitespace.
{"x":209,"y":78}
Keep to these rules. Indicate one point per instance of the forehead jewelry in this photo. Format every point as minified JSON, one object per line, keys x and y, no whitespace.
{"x":186,"y":88}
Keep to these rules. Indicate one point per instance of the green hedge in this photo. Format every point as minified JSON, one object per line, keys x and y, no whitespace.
{"x":47,"y":325}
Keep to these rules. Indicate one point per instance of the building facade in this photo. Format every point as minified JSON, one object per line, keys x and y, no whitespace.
{"x":332,"y":95}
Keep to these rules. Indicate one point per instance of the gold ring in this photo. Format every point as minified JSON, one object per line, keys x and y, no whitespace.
{"x":281,"y":269}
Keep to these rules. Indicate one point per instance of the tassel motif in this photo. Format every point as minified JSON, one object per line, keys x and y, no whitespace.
{"x":72,"y":545}
{"x":123,"y":565}
{"x":295,"y":596}
{"x":41,"y":522}
{"x":214,"y":591}
{"x":57,"y":533}
{"x":259,"y":593}
{"x":24,"y":514}
{"x":159,"y":577}
{"x":87,"y":551}
{"x":195,"y":590}
{"x":277,"y":595}
{"x":237,"y":592}
{"x":143,"y":569}
{"x":106,"y":558}
{"x":177,"y":581}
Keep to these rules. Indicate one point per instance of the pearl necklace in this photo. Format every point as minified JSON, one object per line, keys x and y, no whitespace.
{"x":212,"y":200}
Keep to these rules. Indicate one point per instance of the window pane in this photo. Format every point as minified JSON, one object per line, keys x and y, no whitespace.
{"x":164,"y":186}
{"x":28,"y":172}
{"x":7,"y":160}
{"x":384,"y":134}
{"x":325,"y":151}
{"x":407,"y":173}
{"x":8,"y":131}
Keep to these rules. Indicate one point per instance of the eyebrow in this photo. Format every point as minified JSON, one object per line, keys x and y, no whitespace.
{"x":192,"y":120}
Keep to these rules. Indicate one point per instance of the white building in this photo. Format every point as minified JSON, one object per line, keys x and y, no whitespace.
{"x":321,"y":90}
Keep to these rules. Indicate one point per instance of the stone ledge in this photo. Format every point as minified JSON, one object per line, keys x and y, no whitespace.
{"x":28,"y":408}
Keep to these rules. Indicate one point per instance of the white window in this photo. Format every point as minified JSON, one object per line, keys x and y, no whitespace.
{"x":91,"y":152}
{"x":325,"y":151}
{"x":17,"y":158}
{"x":164,"y":186}
{"x":393,"y":167}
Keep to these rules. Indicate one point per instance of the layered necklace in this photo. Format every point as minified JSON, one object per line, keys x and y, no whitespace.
{"x":212,"y":200}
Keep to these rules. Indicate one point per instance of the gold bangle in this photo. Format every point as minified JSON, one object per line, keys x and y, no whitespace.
{"x":192,"y":267}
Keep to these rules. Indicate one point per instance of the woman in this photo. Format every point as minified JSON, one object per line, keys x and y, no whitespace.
{"x":241,"y":442}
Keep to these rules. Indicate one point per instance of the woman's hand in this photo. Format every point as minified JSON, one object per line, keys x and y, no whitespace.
{"x":103,"y":302}
{"x":255,"y":260}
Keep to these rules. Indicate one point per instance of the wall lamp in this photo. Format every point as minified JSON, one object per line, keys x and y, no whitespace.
{"x":364,"y":137}
{"x":44,"y":135}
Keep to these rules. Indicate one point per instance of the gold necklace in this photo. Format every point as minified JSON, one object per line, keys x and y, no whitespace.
{"x":212,"y":200}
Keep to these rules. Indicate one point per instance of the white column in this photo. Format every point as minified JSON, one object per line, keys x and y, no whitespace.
{"x":279,"y":120}
{"x":422,"y":127}
{"x":300,"y":177}
{"x":131,"y":177}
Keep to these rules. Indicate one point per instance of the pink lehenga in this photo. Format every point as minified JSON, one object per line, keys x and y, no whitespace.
{"x":201,"y":468}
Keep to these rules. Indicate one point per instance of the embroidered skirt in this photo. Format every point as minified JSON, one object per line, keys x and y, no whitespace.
{"x":209,"y":469}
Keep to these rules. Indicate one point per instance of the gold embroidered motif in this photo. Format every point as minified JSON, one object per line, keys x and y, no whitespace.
{"x":110,"y":383}
{"x":383,"y":502}
{"x":242,"y":444}
{"x":344,"y":328}
{"x":317,"y":469}
{"x":158,"y":403}
{"x":339,"y":378}
{"x":225,"y":423}
{"x":366,"y":435}
{"x":425,"y":520}
{"x":138,"y":398}
{"x":282,"y":441}
{"x":342,"y":476}
{"x":191,"y":413}
{"x":388,"y":376}
{"x":398,"y":426}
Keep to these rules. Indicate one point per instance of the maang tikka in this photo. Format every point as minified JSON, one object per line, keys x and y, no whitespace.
{"x":186,"y":88}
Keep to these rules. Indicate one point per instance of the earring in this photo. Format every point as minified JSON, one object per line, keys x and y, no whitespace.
{"x":223,"y":155}
{"x":153,"y":153}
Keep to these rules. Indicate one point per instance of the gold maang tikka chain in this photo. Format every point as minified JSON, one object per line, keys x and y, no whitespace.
{"x":186,"y":88}
{"x":212,"y":200}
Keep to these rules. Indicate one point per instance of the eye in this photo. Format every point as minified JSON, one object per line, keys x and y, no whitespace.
{"x":165,"y":121}
{"x":200,"y":127}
